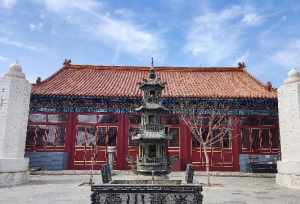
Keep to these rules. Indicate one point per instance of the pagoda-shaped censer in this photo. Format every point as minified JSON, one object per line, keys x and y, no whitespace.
{"x":152,"y":138}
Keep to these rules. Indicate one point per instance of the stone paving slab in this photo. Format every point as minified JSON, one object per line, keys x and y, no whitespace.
{"x":67,"y":189}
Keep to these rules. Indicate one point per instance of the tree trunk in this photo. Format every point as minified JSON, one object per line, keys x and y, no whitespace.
{"x":206,"y":163}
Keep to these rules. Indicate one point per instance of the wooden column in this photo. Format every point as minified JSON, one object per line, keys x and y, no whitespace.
{"x":236,"y":143}
{"x":185,"y":145}
{"x":122,"y":142}
{"x":70,"y":139}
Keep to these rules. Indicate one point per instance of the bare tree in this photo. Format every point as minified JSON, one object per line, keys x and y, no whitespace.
{"x":216,"y":131}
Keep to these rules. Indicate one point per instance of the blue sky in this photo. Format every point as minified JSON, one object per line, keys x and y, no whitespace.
{"x":40,"y":34}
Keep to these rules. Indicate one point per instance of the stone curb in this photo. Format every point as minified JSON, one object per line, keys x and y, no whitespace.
{"x":173,"y":174}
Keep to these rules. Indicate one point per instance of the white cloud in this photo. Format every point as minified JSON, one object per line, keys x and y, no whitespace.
{"x":289,"y":55}
{"x":128,"y":37}
{"x":3,"y":59}
{"x":252,"y":19}
{"x":8,"y":4}
{"x":32,"y":26}
{"x":215,"y":36}
{"x":18,"y":44}
{"x":36,"y":26}
{"x":62,"y":5}
{"x":91,"y":17}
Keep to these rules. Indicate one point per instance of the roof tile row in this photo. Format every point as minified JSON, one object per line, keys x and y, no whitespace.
{"x":121,"y":81}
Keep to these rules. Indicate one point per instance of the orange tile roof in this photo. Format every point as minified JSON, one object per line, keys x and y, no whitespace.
{"x":121,"y":81}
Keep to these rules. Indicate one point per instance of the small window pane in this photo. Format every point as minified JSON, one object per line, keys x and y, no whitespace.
{"x":267,"y":121}
{"x":245,"y":138}
{"x":112,"y":136}
{"x":31,"y":135}
{"x":37,"y":117}
{"x":255,"y":139}
{"x":227,"y":139}
{"x":55,"y":135}
{"x":195,"y":142}
{"x":204,"y":133}
{"x":275,"y":138}
{"x":101,"y":136}
{"x":90,"y":136}
{"x":215,"y":141}
{"x":174,"y":134}
{"x":110,"y":118}
{"x":87,"y":118}
{"x":40,"y":135}
{"x":265,"y":138}
{"x":80,"y":136}
{"x":57,"y":118}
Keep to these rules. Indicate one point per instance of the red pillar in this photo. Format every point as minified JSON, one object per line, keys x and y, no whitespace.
{"x":185,"y":145}
{"x":236,"y":144}
{"x":122,"y":142}
{"x":70,"y":139}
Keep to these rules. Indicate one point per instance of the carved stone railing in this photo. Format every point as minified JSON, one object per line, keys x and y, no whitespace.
{"x":153,"y":160}
{"x":153,"y":127}
{"x":145,"y":193}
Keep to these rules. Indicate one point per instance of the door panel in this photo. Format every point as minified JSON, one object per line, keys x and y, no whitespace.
{"x":90,"y":145}
{"x":174,"y":146}
{"x":220,"y":155}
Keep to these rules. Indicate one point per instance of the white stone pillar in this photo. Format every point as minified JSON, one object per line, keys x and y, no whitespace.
{"x":289,"y":123}
{"x":14,"y":109}
{"x":111,"y":150}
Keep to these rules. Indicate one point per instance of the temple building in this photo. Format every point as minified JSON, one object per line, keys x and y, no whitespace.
{"x":80,"y":110}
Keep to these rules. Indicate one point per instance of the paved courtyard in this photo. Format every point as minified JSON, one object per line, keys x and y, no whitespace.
{"x":65,"y":189}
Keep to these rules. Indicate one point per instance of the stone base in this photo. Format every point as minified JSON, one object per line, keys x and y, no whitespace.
{"x":13,"y":171}
{"x":288,"y":180}
{"x":288,"y":174}
{"x":13,"y":178}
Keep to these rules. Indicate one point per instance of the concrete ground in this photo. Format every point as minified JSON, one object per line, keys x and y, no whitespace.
{"x":65,"y":189}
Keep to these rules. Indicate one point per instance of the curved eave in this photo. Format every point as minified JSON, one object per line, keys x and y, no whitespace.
{"x":193,"y":97}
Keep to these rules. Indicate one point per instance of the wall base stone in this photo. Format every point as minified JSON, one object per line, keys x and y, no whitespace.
{"x":288,"y":180}
{"x":13,"y":171}
{"x":8,"y":179}
{"x":288,"y":174}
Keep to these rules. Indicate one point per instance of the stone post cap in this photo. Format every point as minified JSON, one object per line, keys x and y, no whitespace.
{"x":293,"y":76}
{"x":15,"y":71}
{"x":111,"y":149}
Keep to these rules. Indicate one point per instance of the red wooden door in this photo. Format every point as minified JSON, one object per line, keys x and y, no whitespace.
{"x":91,"y":143}
{"x":174,"y":146}
{"x":220,"y":154}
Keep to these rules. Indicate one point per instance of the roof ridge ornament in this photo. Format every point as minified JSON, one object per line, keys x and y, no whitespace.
{"x":152,"y":74}
{"x":242,"y":65}
{"x":67,"y":62}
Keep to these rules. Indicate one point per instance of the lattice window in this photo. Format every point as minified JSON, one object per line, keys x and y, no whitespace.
{"x":259,"y":135}
{"x":46,"y":131}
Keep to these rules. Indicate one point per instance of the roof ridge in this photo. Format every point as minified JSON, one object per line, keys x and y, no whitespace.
{"x":146,"y":68}
{"x":257,"y":81}
{"x":51,"y":76}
